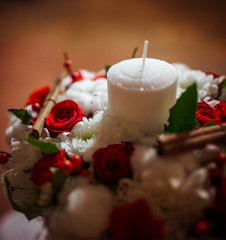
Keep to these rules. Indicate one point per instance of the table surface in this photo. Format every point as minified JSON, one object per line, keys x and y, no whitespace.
{"x":35,"y":33}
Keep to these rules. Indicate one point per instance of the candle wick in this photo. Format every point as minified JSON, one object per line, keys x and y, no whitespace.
{"x":144,"y":53}
{"x":144,"y":57}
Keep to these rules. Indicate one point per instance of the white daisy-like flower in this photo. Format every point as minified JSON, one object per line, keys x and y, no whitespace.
{"x":207,"y":85}
{"x":87,"y":127}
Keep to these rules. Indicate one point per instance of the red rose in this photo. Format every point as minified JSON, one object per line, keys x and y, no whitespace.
{"x":221,"y":111}
{"x":113,"y":162}
{"x":135,"y":221}
{"x":206,"y":114}
{"x":41,"y":173}
{"x":38,"y":96}
{"x":63,"y":117}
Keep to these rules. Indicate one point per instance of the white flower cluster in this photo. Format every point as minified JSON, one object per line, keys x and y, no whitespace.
{"x":207,"y":85}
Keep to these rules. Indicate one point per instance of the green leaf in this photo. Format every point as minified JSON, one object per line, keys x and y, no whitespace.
{"x":224,"y":84}
{"x":107,"y":67}
{"x":58,"y":180}
{"x":45,"y":147}
{"x":182,"y":114}
{"x":208,"y":124}
{"x":22,"y":114}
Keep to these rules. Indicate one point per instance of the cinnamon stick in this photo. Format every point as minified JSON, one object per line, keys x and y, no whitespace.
{"x":49,"y":102}
{"x":175,"y":143}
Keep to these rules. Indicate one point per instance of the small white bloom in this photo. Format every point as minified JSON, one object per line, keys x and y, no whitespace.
{"x":206,"y":84}
{"x":90,"y":95}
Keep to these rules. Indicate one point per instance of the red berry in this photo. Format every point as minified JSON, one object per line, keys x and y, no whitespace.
{"x":202,"y":227}
{"x":4,"y":158}
{"x":77,"y":163}
{"x":68,"y":64}
{"x":76,"y":76}
{"x":66,"y":166}
{"x":36,"y":107}
{"x":84,"y":173}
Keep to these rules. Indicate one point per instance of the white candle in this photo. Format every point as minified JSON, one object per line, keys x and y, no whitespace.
{"x":143,"y":93}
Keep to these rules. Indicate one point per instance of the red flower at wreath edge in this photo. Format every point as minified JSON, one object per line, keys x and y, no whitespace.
{"x":135,"y":221}
{"x":206,"y":113}
{"x":64,"y":115}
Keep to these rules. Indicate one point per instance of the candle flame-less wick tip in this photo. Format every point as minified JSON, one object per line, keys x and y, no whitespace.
{"x":145,"y":51}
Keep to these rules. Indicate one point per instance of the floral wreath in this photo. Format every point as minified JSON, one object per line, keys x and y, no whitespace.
{"x":93,"y":175}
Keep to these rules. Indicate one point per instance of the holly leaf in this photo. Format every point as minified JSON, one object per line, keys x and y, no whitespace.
{"x":182,"y":114}
{"x":22,"y":114}
{"x":58,"y":180}
{"x":107,"y":67}
{"x":224,"y":84}
{"x":209,"y":124}
{"x":45,"y":147}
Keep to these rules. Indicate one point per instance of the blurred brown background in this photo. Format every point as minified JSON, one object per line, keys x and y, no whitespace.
{"x":35,"y":33}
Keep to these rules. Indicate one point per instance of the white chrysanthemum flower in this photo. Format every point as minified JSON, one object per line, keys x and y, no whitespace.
{"x":82,"y":136}
{"x":82,"y":207}
{"x":90,"y":95}
{"x":112,"y":130}
{"x":87,"y":127}
{"x":115,"y":129}
{"x":206,"y":84}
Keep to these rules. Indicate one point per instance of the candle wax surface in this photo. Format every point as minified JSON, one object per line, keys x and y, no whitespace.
{"x":143,"y":95}
{"x":156,"y":74}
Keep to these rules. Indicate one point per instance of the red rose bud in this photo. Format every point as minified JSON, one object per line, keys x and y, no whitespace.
{"x":77,"y":163}
{"x":4,"y":158}
{"x":38,"y":96}
{"x":64,"y":115}
{"x":112,"y":163}
{"x":202,"y":227}
{"x":76,"y":76}
{"x":36,"y":107}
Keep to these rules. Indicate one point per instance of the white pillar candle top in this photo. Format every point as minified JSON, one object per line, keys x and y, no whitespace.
{"x":130,"y":74}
